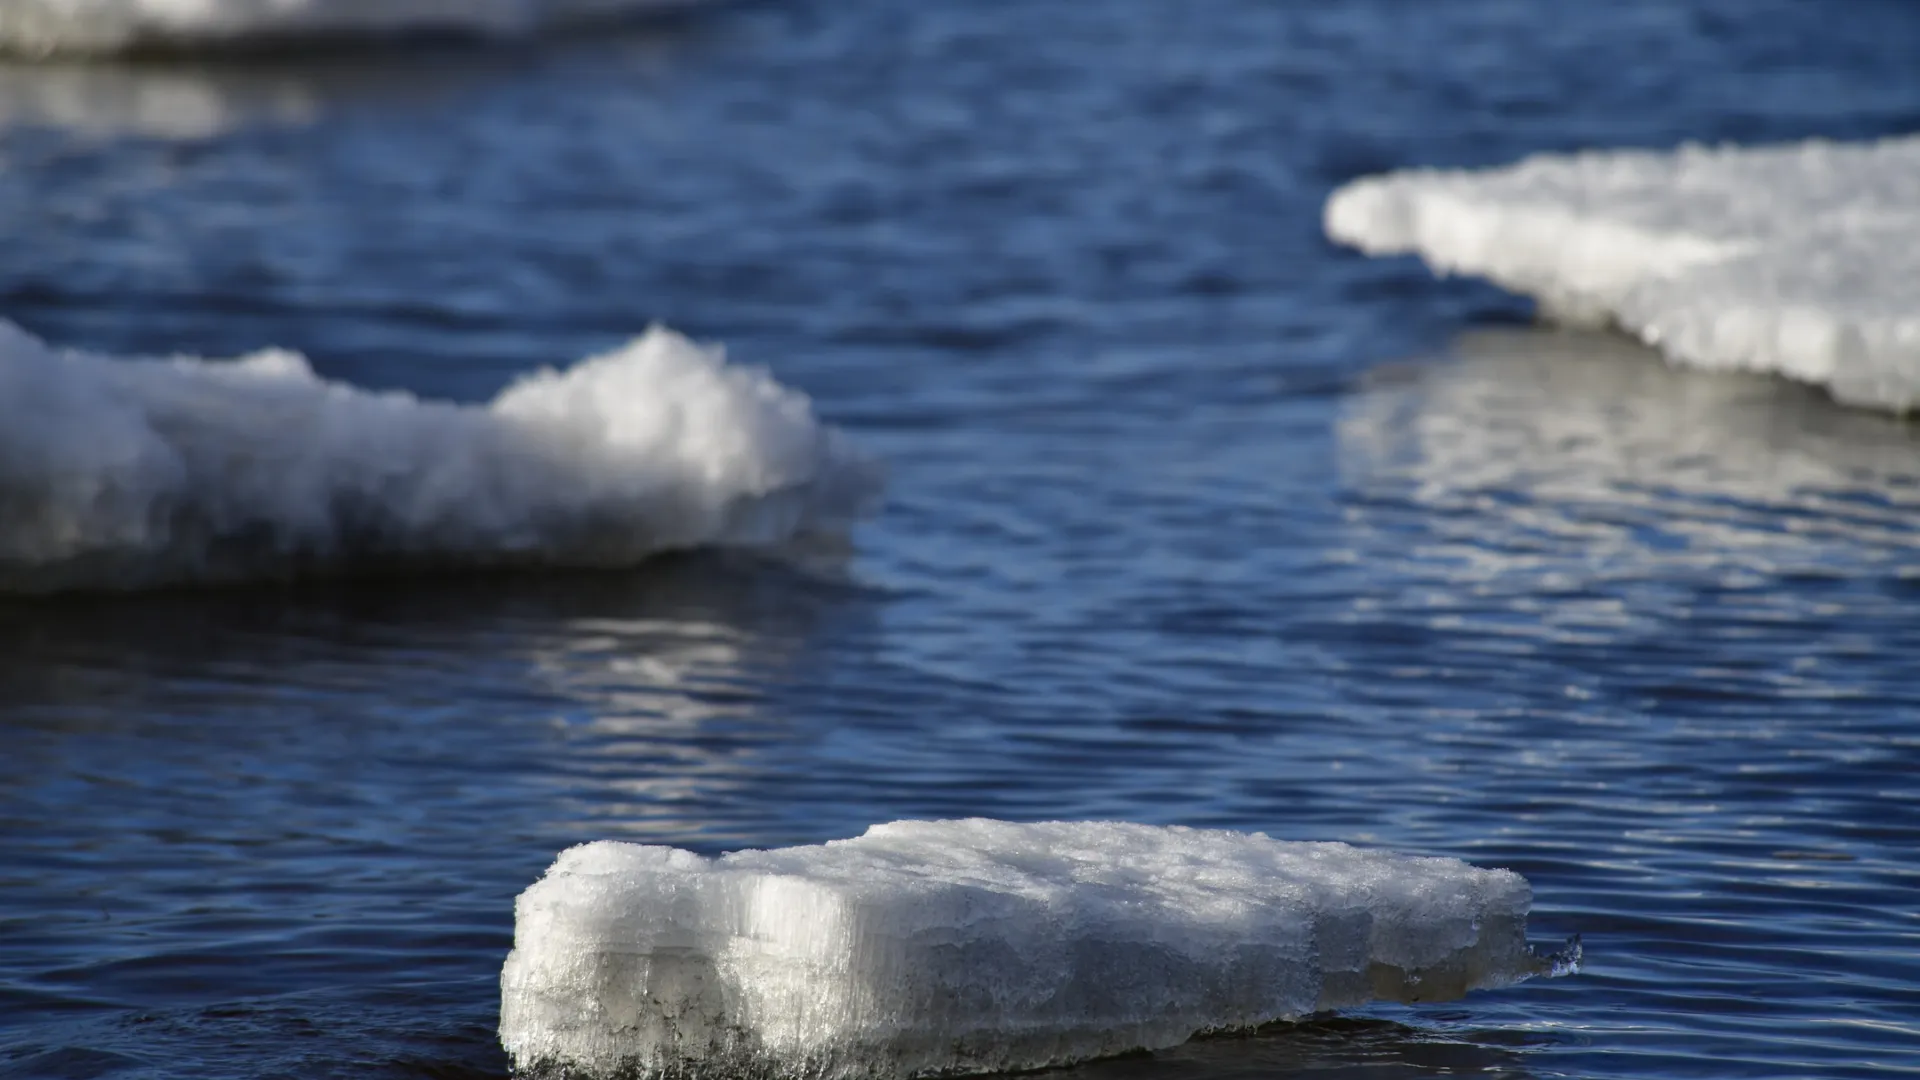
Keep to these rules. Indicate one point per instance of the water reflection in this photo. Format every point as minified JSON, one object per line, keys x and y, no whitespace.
{"x":544,"y":707}
{"x":1564,"y":458}
{"x":676,"y":710}
{"x":171,"y":103}
{"x":187,"y":100}
{"x":665,"y":654}
{"x":223,"y":806}
{"x":1328,"y":1046}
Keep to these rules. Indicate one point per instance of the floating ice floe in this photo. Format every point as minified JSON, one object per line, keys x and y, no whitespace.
{"x":1800,"y":260}
{"x":932,"y":948}
{"x":129,"y":473}
{"x":65,"y":27}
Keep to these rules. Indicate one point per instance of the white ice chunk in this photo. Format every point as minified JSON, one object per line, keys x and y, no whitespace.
{"x":1800,"y":260}
{"x":49,"y":27}
{"x":941,"y":947}
{"x":126,"y":473}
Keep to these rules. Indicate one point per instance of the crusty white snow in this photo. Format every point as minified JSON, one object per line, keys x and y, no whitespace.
{"x":924,"y":948}
{"x":118,"y":473}
{"x":1799,"y":260}
{"x":55,"y":27}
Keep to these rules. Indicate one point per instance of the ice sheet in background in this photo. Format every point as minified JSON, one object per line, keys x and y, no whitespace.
{"x":1799,"y":260}
{"x":129,"y":473}
{"x":925,"y":948}
{"x":82,"y":27}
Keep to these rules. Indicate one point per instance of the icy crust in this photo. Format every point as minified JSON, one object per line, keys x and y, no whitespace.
{"x":1799,"y":260}
{"x":130,"y":473}
{"x":930,"y":948}
{"x":81,"y":27}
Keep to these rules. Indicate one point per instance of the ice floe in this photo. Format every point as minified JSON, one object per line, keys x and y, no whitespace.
{"x":120,"y":473}
{"x":1799,"y":260}
{"x":924,"y":948}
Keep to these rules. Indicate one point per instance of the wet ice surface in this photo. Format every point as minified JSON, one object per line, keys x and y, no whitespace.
{"x":936,"y":948}
{"x":1194,"y":519}
{"x":128,"y":473}
{"x":1797,"y":260}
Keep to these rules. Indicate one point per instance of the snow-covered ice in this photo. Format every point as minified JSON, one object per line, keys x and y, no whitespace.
{"x":1799,"y":260}
{"x":55,"y":27}
{"x":122,"y":473}
{"x":923,"y":948}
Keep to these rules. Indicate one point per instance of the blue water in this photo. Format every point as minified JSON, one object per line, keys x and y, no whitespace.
{"x":1192,"y":519}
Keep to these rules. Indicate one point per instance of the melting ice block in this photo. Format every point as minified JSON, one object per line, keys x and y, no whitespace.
{"x":1799,"y":260}
{"x":120,"y":473}
{"x":943,"y":947}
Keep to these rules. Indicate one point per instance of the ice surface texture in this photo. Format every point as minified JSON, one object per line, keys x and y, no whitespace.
{"x":926,"y":948}
{"x":128,"y":473}
{"x":1799,"y":260}
{"x":49,"y":27}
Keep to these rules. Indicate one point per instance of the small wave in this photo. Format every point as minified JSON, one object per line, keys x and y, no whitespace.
{"x":105,"y":27}
{"x":120,"y":474}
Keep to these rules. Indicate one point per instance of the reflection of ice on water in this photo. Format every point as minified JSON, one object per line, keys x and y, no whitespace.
{"x":1566,"y":458}
{"x":672,"y":727}
{"x":1486,"y":1040}
{"x":192,"y":99}
{"x":563,"y":705}
{"x":174,"y":103}
{"x":652,"y":690}
{"x":39,"y":28}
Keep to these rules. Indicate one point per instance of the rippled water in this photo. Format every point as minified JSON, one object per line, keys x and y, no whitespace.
{"x":1193,"y":519}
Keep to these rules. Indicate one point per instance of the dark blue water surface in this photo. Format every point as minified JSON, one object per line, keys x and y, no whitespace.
{"x":1193,"y":519}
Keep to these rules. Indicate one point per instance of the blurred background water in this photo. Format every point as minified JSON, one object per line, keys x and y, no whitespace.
{"x":1192,"y":519}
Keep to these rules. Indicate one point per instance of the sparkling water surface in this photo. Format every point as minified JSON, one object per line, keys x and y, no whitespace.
{"x":1192,"y":519}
